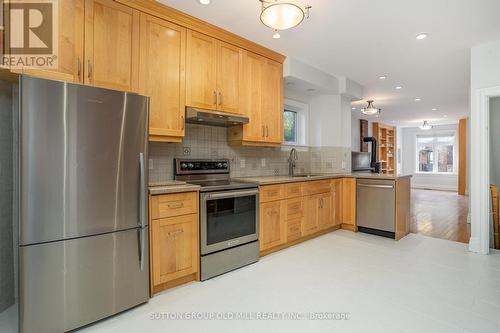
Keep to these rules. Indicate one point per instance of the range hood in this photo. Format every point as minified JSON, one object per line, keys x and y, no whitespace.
{"x":214,"y":118}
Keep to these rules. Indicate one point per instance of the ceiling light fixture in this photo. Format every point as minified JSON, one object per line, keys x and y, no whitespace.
{"x":370,"y":110}
{"x":422,"y":35}
{"x":399,"y":87}
{"x":418,"y":99}
{"x":382,"y":77}
{"x":434,"y":109}
{"x":353,"y":108}
{"x":425,"y":126}
{"x":204,"y":2}
{"x":281,"y":14}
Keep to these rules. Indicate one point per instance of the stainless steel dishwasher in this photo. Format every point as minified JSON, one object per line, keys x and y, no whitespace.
{"x":376,"y":206}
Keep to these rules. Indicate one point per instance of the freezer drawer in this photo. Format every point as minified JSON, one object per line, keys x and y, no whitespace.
{"x":376,"y":205}
{"x":68,"y":284}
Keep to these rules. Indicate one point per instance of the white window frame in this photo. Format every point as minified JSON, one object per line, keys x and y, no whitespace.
{"x":436,"y":158}
{"x":302,"y":110}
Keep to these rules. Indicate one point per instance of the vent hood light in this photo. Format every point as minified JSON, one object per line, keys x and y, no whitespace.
{"x":370,"y":110}
{"x":425,"y":126}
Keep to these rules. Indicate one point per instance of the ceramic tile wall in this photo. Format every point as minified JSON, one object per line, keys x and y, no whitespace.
{"x":211,"y":142}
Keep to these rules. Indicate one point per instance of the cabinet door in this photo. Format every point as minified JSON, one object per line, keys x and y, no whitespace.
{"x":325,"y":210}
{"x":201,"y":71}
{"x":111,"y":45}
{"x":251,"y":96}
{"x":311,"y":214}
{"x":272,"y":226}
{"x":272,"y":101}
{"x":70,"y":44}
{"x":349,"y":202}
{"x":228,"y":77}
{"x":174,"y":246}
{"x":162,"y":76}
{"x":337,"y":201}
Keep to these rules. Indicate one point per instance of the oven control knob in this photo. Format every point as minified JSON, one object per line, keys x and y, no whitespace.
{"x":190,"y":165}
{"x":219,"y":165}
{"x":183,"y":165}
{"x":224,"y":165}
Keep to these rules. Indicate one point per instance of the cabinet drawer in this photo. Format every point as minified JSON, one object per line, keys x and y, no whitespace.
{"x":294,"y":208}
{"x":169,"y":205}
{"x":293,"y":190}
{"x":318,"y":186}
{"x":293,"y":229}
{"x":271,"y":193}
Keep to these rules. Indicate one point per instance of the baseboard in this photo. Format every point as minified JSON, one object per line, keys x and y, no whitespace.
{"x":433,"y":187}
{"x":474,"y":245}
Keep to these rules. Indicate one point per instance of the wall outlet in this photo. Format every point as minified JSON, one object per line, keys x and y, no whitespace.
{"x":186,"y":151}
{"x":263,"y":162}
{"x":276,"y":172}
{"x":150,"y":164}
{"x":343,"y":165}
{"x":242,"y":164}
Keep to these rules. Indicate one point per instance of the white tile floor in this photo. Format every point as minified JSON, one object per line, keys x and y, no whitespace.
{"x":418,"y":284}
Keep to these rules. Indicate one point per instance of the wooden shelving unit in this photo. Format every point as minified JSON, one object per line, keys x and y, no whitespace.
{"x":386,"y":141}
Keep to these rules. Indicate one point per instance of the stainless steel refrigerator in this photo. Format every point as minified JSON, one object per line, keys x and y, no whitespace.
{"x":82,"y":194}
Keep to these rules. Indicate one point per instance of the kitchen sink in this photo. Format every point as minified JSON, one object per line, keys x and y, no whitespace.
{"x":306,"y":176}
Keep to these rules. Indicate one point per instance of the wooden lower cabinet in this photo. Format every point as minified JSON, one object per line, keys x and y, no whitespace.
{"x":311,"y":218}
{"x":349,"y":203}
{"x":272,"y":226}
{"x":337,"y":201}
{"x":325,"y":211}
{"x":174,"y":244}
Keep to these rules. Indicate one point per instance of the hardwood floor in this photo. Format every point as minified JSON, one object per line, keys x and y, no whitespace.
{"x":439,"y":214}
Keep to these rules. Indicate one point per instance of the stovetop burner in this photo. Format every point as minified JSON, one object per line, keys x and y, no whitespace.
{"x":211,"y":175}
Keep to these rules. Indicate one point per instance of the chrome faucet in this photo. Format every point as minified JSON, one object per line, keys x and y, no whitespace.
{"x":292,"y":159}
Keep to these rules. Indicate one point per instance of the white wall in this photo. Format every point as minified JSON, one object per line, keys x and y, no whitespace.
{"x":409,"y":160}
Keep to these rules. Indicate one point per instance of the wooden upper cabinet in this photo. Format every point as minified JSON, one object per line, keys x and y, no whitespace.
{"x":70,"y":44}
{"x":201,"y":71}
{"x":162,"y":77}
{"x":272,"y":101}
{"x":251,"y":96}
{"x":111,"y":45}
{"x":229,"y":71}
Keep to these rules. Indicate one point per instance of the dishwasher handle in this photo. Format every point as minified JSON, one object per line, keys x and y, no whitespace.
{"x":376,"y":186}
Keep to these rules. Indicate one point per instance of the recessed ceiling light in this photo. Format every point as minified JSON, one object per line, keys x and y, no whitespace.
{"x":382,"y":77}
{"x":422,"y":35}
{"x":445,"y":116}
{"x":353,"y":108}
{"x":398,"y":87}
{"x":204,"y":2}
{"x":418,"y":99}
{"x":434,"y":109}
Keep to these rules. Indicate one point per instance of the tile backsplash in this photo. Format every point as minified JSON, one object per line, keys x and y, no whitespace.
{"x":211,"y":142}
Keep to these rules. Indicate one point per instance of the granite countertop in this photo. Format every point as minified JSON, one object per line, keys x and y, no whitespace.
{"x":268,"y":180}
{"x":171,"y":186}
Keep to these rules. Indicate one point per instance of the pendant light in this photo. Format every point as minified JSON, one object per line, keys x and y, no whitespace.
{"x":281,"y":15}
{"x":370,"y":110}
{"x":425,"y":126}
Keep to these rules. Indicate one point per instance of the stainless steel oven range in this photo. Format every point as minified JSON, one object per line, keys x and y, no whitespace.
{"x":229,"y":216}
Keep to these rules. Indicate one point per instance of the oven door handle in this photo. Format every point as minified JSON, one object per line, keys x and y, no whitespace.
{"x":232,"y":194}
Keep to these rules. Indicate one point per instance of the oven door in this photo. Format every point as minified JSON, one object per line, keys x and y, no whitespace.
{"x":228,"y":219}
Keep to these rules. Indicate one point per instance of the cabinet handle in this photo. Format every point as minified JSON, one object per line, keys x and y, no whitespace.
{"x":176,"y":205}
{"x":215,"y":98}
{"x":89,"y":68}
{"x":267,"y":131}
{"x":175,"y":233}
{"x":321,"y":203}
{"x":263,"y":131}
{"x":79,"y":72}
{"x":182,"y":123}
{"x":220,"y":98}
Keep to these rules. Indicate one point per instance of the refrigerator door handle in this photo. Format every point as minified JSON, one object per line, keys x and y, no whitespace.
{"x":141,"y":247}
{"x":142,"y":197}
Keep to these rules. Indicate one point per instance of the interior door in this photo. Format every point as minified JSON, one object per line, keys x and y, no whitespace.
{"x":89,"y":181}
{"x":251,"y":96}
{"x":111,"y":45}
{"x":228,"y":77}
{"x":272,"y":101}
{"x":70,"y":44}
{"x":162,"y":76}
{"x":201,"y":71}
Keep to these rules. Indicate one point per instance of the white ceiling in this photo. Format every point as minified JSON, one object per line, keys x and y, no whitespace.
{"x":363,"y":39}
